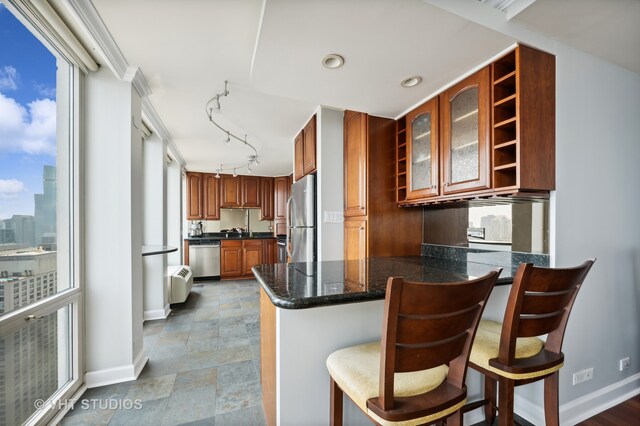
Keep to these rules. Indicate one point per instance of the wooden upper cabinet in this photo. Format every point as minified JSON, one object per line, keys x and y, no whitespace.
{"x":523,"y":83}
{"x":194,"y":196}
{"x":299,"y":156}
{"x":230,"y":195}
{"x":309,"y":136}
{"x":251,"y":195}
{"x":267,"y":198}
{"x":422,"y":147}
{"x":305,"y":150}
{"x":355,"y":164}
{"x":465,"y":134}
{"x":281,"y":194}
{"x":211,"y":199}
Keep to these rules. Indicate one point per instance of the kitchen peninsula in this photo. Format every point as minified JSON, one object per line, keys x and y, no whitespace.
{"x":308,"y":310}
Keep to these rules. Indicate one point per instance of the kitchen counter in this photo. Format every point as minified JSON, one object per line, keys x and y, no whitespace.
{"x":309,"y":285}
{"x":309,"y":310}
{"x":232,"y":236}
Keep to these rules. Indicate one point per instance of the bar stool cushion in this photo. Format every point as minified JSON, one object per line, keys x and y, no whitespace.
{"x":357,"y":371}
{"x":487,"y":342}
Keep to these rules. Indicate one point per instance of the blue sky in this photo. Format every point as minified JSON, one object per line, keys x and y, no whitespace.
{"x":27,"y":115}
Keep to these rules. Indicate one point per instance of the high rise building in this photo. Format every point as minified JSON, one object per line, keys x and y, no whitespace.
{"x":45,"y":207}
{"x":23,"y":227}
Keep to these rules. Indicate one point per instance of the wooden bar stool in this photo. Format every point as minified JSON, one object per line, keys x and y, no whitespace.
{"x":416,"y":374}
{"x":510,"y":354}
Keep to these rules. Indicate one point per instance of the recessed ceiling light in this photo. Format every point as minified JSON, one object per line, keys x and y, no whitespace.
{"x":333,"y":61}
{"x":411,"y":81}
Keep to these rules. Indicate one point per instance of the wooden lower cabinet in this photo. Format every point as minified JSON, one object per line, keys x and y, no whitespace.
{"x":252,"y":254}
{"x":355,"y":238}
{"x":237,"y":257}
{"x":268,"y":357}
{"x":270,"y":251}
{"x":231,"y":259}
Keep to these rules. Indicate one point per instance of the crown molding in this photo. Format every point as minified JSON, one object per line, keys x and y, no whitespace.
{"x":89,"y":17}
{"x":151,"y":116}
{"x":135,"y":77}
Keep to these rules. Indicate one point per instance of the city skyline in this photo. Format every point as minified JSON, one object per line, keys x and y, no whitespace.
{"x":27,"y":116}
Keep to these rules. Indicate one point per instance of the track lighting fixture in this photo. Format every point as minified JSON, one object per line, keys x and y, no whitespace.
{"x":214,"y":104}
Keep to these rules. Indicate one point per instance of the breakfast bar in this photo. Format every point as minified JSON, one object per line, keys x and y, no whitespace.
{"x":309,"y":310}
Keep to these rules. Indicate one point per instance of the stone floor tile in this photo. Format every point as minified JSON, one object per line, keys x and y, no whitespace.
{"x":147,"y":413}
{"x":151,"y":388}
{"x":88,"y":417}
{"x":161,"y":367}
{"x":234,"y":354}
{"x":253,"y":416}
{"x":236,"y":397}
{"x":236,"y":373}
{"x":189,"y":405}
{"x":196,"y":379}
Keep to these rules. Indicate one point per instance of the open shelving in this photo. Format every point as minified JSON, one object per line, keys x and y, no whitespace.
{"x":401,"y":160}
{"x":505,"y":122}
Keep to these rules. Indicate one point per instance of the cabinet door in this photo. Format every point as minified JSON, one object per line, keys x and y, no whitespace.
{"x":298,"y":165}
{"x":211,"y":187}
{"x":194,"y":196}
{"x":270,"y":251}
{"x":281,"y":194}
{"x":281,"y":228}
{"x":422,"y":151}
{"x":250,"y":191}
{"x":355,"y":164}
{"x":355,"y":253}
{"x":230,"y":191}
{"x":231,"y":258}
{"x":355,"y":239}
{"x":309,"y":136}
{"x":465,"y":134}
{"x":267,"y":199}
{"x":252,"y":252}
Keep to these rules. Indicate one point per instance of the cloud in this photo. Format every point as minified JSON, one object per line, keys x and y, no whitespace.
{"x":9,"y":78}
{"x":31,"y":131}
{"x":47,"y":92}
{"x":10,"y":188}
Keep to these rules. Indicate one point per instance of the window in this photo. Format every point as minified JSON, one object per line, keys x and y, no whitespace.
{"x":39,"y":289}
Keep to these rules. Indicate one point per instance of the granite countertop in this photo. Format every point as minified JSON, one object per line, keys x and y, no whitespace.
{"x":313,"y":284}
{"x":232,"y":236}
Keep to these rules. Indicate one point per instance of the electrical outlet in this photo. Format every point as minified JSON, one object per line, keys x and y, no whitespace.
{"x":582,"y":376}
{"x":625,"y":363}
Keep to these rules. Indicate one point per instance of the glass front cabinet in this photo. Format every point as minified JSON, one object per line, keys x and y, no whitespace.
{"x":422,"y":151}
{"x":465,"y":134}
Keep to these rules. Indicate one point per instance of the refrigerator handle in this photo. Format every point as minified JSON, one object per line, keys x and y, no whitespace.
{"x":287,"y":226}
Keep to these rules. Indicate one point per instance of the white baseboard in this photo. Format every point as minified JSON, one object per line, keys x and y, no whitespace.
{"x":109,"y":376}
{"x":596,"y":402}
{"x":157,"y":314}
{"x":575,"y":411}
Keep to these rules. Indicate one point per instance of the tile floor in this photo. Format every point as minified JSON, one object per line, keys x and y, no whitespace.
{"x":203,"y":368}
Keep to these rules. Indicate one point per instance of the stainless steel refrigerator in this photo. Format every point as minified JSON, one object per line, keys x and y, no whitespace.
{"x":301,"y":220}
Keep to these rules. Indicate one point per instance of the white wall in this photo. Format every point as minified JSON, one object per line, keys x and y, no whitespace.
{"x":329,"y":184}
{"x":156,"y":284}
{"x":596,"y":210}
{"x":112,"y":230}
{"x":174,"y":213}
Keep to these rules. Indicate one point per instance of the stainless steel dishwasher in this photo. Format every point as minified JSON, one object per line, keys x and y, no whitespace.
{"x":204,"y":258}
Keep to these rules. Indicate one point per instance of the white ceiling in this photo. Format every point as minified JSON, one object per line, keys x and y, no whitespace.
{"x":271,"y":54}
